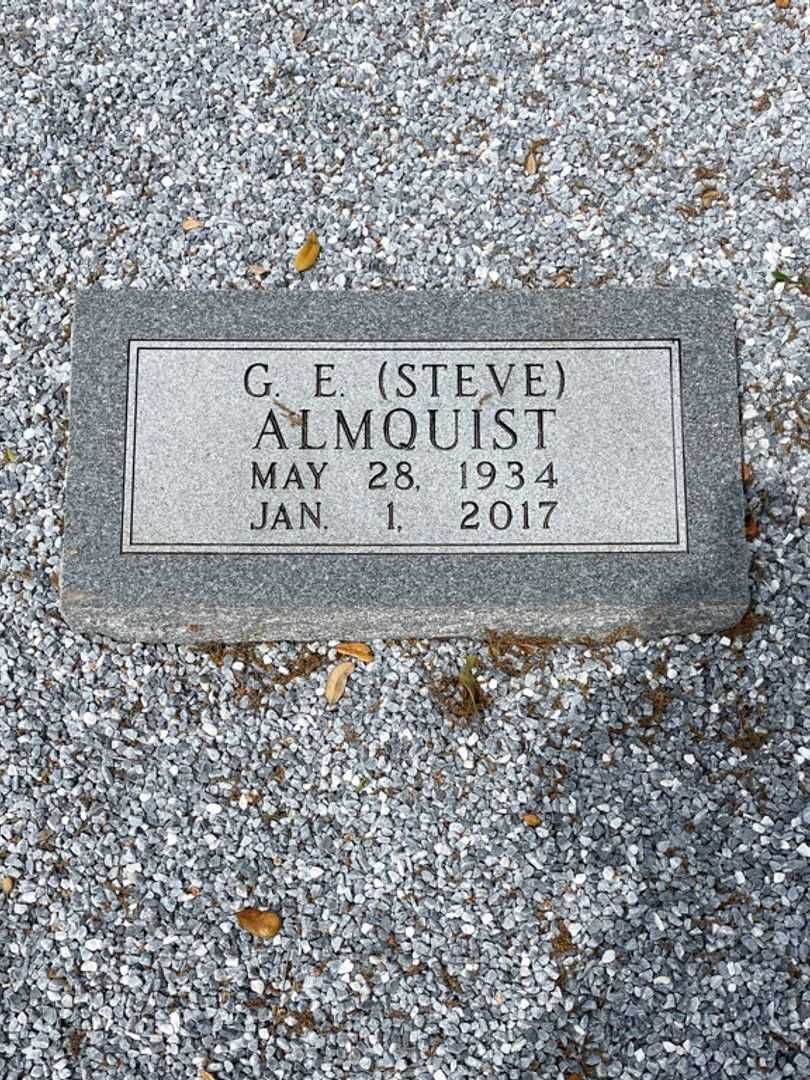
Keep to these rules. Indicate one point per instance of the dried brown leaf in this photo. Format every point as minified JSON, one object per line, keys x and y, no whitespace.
{"x":293,"y":418}
{"x":751,"y":528}
{"x":746,"y":472}
{"x":531,"y":819}
{"x":264,"y":924}
{"x":530,"y":164}
{"x":308,"y":253}
{"x":299,"y":36}
{"x":8,"y":885}
{"x":358,"y":649}
{"x":336,"y":683}
{"x":564,"y":278}
{"x":205,"y":1075}
{"x":189,"y":224}
{"x":469,"y":684}
{"x":258,"y":270}
{"x":709,"y":197}
{"x":782,"y":4}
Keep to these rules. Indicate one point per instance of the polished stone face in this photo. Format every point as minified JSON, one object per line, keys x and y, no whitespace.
{"x":266,"y":447}
{"x":247,"y":466}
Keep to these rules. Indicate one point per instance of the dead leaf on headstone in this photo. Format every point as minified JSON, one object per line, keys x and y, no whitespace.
{"x":257,"y":270}
{"x":358,"y":649}
{"x":308,"y":253}
{"x":294,"y":419}
{"x":264,"y":924}
{"x":336,"y":683}
{"x":8,"y":885}
{"x":469,"y":684}
{"x":189,"y":224}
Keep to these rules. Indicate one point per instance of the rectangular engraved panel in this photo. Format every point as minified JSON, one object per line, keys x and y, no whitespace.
{"x":408,"y":446}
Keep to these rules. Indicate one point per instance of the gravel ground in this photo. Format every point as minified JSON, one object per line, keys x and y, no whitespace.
{"x":654,"y":923}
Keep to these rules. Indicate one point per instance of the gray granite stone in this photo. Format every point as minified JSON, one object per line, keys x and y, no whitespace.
{"x":260,"y":466}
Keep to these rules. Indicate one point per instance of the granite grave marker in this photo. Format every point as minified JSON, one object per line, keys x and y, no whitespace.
{"x":312,"y":465}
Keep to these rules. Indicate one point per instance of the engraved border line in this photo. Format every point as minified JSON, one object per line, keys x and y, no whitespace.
{"x":514,"y":345}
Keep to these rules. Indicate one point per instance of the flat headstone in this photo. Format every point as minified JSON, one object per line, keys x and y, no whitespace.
{"x":249,"y":465}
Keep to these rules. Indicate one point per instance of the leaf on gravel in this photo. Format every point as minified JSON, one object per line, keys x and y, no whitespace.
{"x":189,"y":224}
{"x":709,"y":197}
{"x":336,"y":683}
{"x":299,"y":36}
{"x":530,"y":162}
{"x":782,"y":4}
{"x":8,"y":885}
{"x":531,"y":819}
{"x":205,"y":1075}
{"x":308,"y":253}
{"x":258,"y":270}
{"x":8,"y":456}
{"x":264,"y":924}
{"x":564,"y":278}
{"x":469,"y":684}
{"x":358,"y":649}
